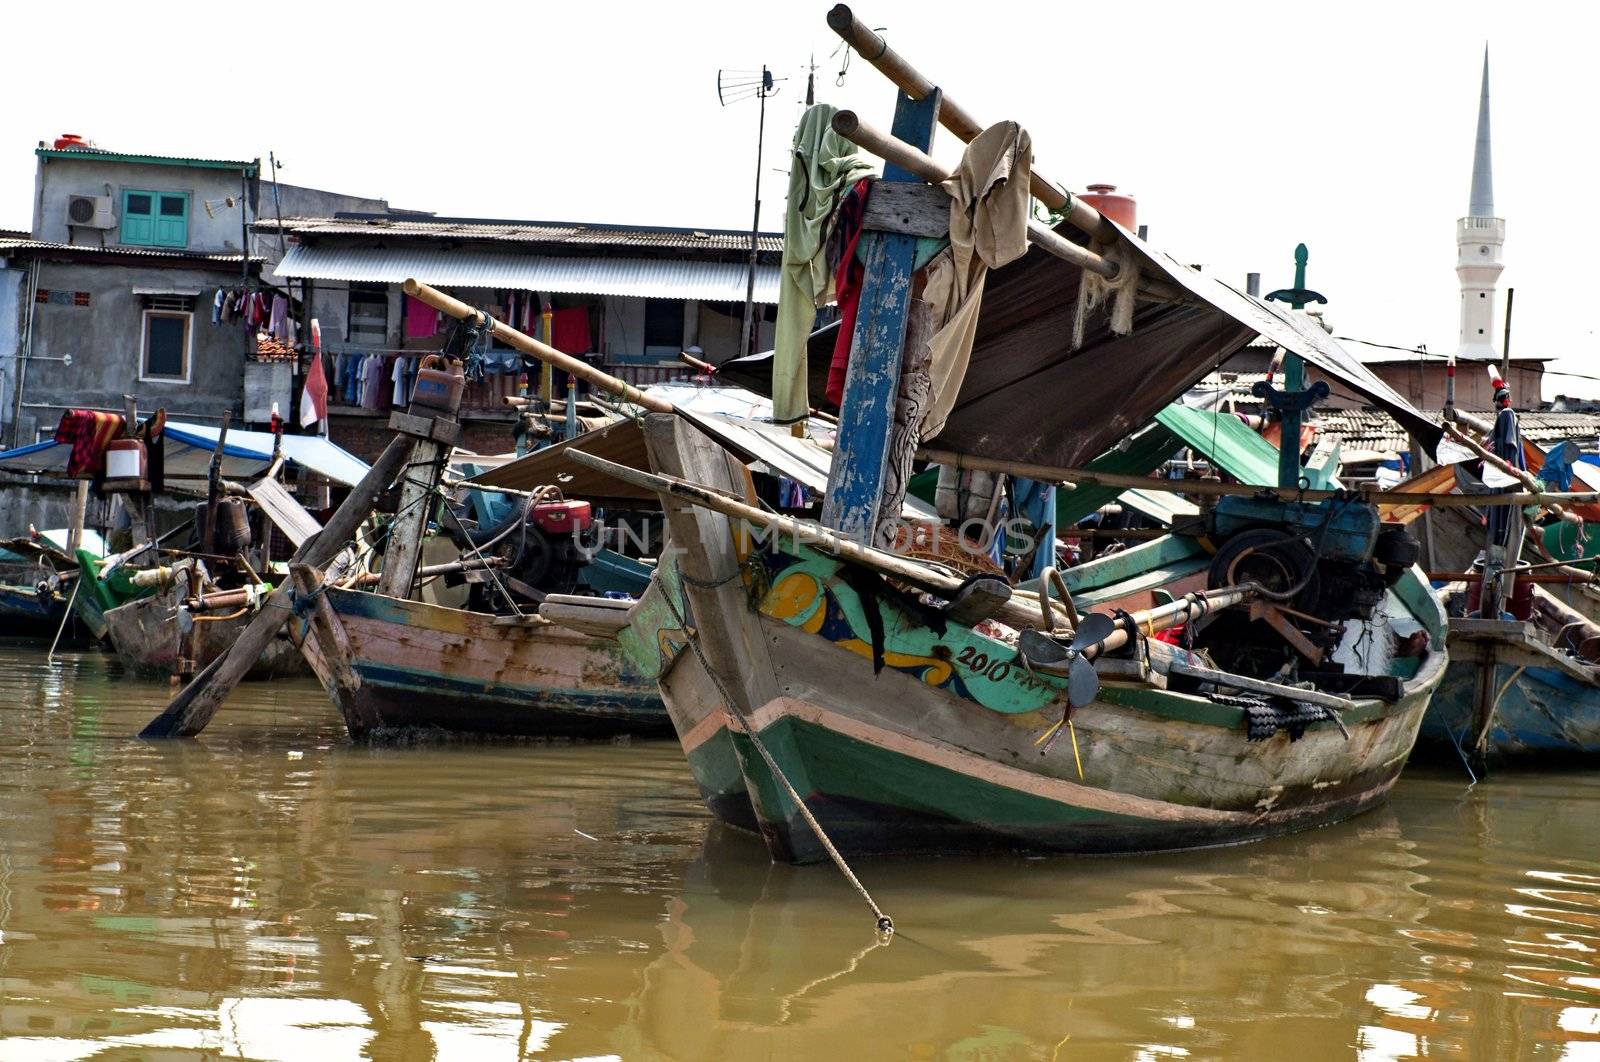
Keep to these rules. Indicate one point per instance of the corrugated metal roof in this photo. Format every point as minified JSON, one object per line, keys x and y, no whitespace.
{"x":89,"y":154}
{"x":183,"y":257}
{"x":563,"y":232}
{"x":642,"y":277}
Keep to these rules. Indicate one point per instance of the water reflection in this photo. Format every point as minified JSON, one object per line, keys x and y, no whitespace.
{"x":271,"y":892}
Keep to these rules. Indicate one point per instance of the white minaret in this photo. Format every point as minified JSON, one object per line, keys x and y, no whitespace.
{"x":1479,"y":237}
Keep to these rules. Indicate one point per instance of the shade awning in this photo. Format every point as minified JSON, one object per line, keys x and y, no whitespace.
{"x":1028,"y":395}
{"x":650,"y":278}
{"x":801,"y":460}
{"x":188,"y":456}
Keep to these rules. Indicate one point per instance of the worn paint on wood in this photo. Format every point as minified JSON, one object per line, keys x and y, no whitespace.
{"x":430,"y":667}
{"x":919,"y":757}
{"x":144,"y":634}
{"x":1545,"y":704}
{"x":866,"y":416}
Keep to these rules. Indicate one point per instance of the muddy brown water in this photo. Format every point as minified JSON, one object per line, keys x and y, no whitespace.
{"x":272,"y":892}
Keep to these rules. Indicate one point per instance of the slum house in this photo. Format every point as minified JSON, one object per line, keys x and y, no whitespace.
{"x":112,"y":292}
{"x":629,"y":298}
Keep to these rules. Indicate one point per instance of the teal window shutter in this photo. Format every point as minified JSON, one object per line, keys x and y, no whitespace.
{"x":138,"y":218}
{"x":172,"y":220}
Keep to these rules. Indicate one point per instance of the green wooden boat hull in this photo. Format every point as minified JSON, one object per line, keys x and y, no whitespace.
{"x":936,"y":752}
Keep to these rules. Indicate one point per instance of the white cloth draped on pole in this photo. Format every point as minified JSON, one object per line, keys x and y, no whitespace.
{"x":822,"y":167}
{"x":989,"y":206}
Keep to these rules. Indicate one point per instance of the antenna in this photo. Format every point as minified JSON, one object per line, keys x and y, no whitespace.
{"x":214,"y":205}
{"x":736,"y":86}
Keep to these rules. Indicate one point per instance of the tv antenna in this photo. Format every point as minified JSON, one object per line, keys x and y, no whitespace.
{"x":736,"y":86}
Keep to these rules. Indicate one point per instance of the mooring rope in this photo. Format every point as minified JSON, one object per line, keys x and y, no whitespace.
{"x":884,"y":924}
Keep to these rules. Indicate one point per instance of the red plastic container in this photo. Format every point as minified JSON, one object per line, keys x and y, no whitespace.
{"x":563,"y":517}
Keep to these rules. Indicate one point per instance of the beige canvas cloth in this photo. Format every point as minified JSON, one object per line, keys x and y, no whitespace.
{"x":822,"y":167}
{"x":989,"y":206}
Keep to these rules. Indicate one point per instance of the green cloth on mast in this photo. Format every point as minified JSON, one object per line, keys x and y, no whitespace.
{"x":822,"y":167}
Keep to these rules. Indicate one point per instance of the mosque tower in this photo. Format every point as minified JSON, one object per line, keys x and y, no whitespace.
{"x":1479,"y":238}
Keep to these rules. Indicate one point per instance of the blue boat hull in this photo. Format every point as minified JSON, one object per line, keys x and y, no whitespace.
{"x":1543,"y":713}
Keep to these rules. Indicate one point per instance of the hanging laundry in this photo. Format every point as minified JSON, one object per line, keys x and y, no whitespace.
{"x":848,"y":274}
{"x":397,"y":376}
{"x":216,"y":306}
{"x":569,"y":330}
{"x":989,"y":204}
{"x":89,"y":433}
{"x":422,"y":320}
{"x":278,"y":318}
{"x":822,"y":166}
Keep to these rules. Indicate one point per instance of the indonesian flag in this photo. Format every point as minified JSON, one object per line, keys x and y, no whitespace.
{"x":314,"y":397}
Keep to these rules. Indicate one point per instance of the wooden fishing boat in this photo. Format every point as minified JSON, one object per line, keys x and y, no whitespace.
{"x":936,"y":749}
{"x":1519,"y":691}
{"x":424,"y":667}
{"x":29,"y":612}
{"x":1523,"y":685}
{"x":155,"y":637}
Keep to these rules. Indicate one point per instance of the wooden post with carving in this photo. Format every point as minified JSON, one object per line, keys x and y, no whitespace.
{"x":872,"y":383}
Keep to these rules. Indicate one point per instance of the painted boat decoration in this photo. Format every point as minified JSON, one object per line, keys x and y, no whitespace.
{"x":425,"y":667}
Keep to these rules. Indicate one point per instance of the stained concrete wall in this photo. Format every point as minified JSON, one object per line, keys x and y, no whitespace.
{"x":57,"y":179}
{"x":13,"y":310}
{"x":104,"y":339}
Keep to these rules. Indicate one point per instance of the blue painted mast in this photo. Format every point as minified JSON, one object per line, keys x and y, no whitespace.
{"x":872,"y":381}
{"x":1295,"y":398}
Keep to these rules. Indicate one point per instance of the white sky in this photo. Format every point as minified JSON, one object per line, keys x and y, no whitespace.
{"x":1242,"y":128}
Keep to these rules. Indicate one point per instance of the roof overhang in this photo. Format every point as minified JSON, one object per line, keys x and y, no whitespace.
{"x":639,"y":277}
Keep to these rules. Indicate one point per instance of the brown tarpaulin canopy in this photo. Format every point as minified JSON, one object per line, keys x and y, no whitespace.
{"x":1029,"y":397}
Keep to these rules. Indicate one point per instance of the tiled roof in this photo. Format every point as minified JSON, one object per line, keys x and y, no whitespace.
{"x":1370,"y":429}
{"x":548,"y":232}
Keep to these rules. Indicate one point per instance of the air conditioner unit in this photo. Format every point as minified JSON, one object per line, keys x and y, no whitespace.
{"x":90,"y":212}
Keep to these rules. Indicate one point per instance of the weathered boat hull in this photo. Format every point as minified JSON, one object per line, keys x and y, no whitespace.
{"x":1545,"y":706}
{"x":910,"y":760}
{"x":906,"y":731}
{"x":144,"y":635}
{"x":427,"y":667}
{"x":25,"y":614}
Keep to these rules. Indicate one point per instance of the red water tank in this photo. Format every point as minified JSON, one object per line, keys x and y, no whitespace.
{"x":1119,"y":208}
{"x":70,"y":141}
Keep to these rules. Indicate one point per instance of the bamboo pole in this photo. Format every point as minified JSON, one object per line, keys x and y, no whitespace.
{"x":1082,"y":477}
{"x":1020,"y":611}
{"x":528,"y":345}
{"x":886,"y":146}
{"x":955,"y":118}
{"x":1521,"y":475}
{"x":850,"y":126}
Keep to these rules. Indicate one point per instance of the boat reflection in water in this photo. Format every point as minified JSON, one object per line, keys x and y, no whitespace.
{"x":274,"y":892}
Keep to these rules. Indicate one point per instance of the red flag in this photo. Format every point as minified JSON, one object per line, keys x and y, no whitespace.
{"x":314,"y":398}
